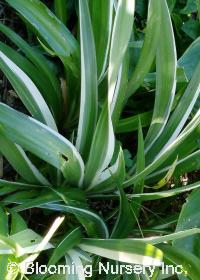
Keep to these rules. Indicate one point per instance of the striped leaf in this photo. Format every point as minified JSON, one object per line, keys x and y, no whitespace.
{"x":101,"y":17}
{"x":27,"y":91}
{"x":51,"y":30}
{"x":88,"y":106}
{"x":60,"y":7}
{"x":42,"y":141}
{"x":149,"y":48}
{"x":179,"y":116}
{"x":20,"y":162}
{"x":123,"y":25}
{"x":170,"y":150}
{"x":123,"y":250}
{"x":49,"y":84}
{"x":166,"y":64}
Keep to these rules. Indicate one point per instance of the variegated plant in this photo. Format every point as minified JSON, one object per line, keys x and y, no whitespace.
{"x":68,"y":150}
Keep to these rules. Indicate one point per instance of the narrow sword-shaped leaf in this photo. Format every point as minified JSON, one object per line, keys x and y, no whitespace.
{"x":123,"y":25}
{"x":149,"y":48}
{"x":186,"y":164}
{"x":189,"y":218}
{"x":111,"y":177}
{"x":43,"y":142}
{"x":171,"y":149}
{"x":10,"y":187}
{"x":60,"y":7}
{"x":101,"y":17}
{"x":72,"y":239}
{"x":51,"y":30}
{"x":20,"y":162}
{"x":52,"y":89}
{"x":18,"y":223}
{"x":120,"y":90}
{"x":166,"y":194}
{"x":94,"y":225}
{"x":88,"y":106}
{"x":103,"y":142}
{"x":169,"y":237}
{"x":178,"y":256}
{"x":140,"y":166}
{"x":166,"y":64}
{"x":4,"y":222}
{"x":131,"y":123}
{"x":27,"y":91}
{"x":178,"y":118}
{"x":189,"y":60}
{"x":152,"y":196}
{"x":102,"y":148}
{"x":123,"y":250}
{"x":123,"y":225}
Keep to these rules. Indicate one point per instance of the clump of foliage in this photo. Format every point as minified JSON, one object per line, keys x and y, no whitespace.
{"x":111,"y":119}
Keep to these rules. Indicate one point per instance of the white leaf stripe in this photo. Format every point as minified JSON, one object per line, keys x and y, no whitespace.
{"x":49,"y":145}
{"x":166,"y":65}
{"x":88,"y":107}
{"x":123,"y":23}
{"x":31,"y":96}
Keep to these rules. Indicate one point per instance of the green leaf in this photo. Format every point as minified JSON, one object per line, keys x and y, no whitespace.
{"x":149,"y":48}
{"x":169,"y":151}
{"x":41,"y":245}
{"x":60,"y":7}
{"x":76,"y":257}
{"x":3,"y":222}
{"x":179,"y":116}
{"x":131,"y":123}
{"x":20,"y":162}
{"x":189,"y":60}
{"x":50,"y":85}
{"x":123,"y":250}
{"x":27,"y":91}
{"x":166,"y":64}
{"x":171,"y":4}
{"x":123,"y":225}
{"x":4,"y":267}
{"x":191,"y":28}
{"x":102,"y":148}
{"x":18,"y":224}
{"x":179,"y":235}
{"x":94,"y":225}
{"x":123,"y":25}
{"x":140,"y":166}
{"x":20,"y":197}
{"x":101,"y":17}
{"x":88,"y":106}
{"x":42,"y":141}
{"x":103,"y":141}
{"x":186,"y":164}
{"x":167,"y":177}
{"x":24,"y":241}
{"x":165,"y":194}
{"x":9,"y":187}
{"x":72,"y":239}
{"x":189,"y":262}
{"x":190,"y":7}
{"x":189,"y":219}
{"x":51,"y":30}
{"x":111,"y":177}
{"x":120,"y":90}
